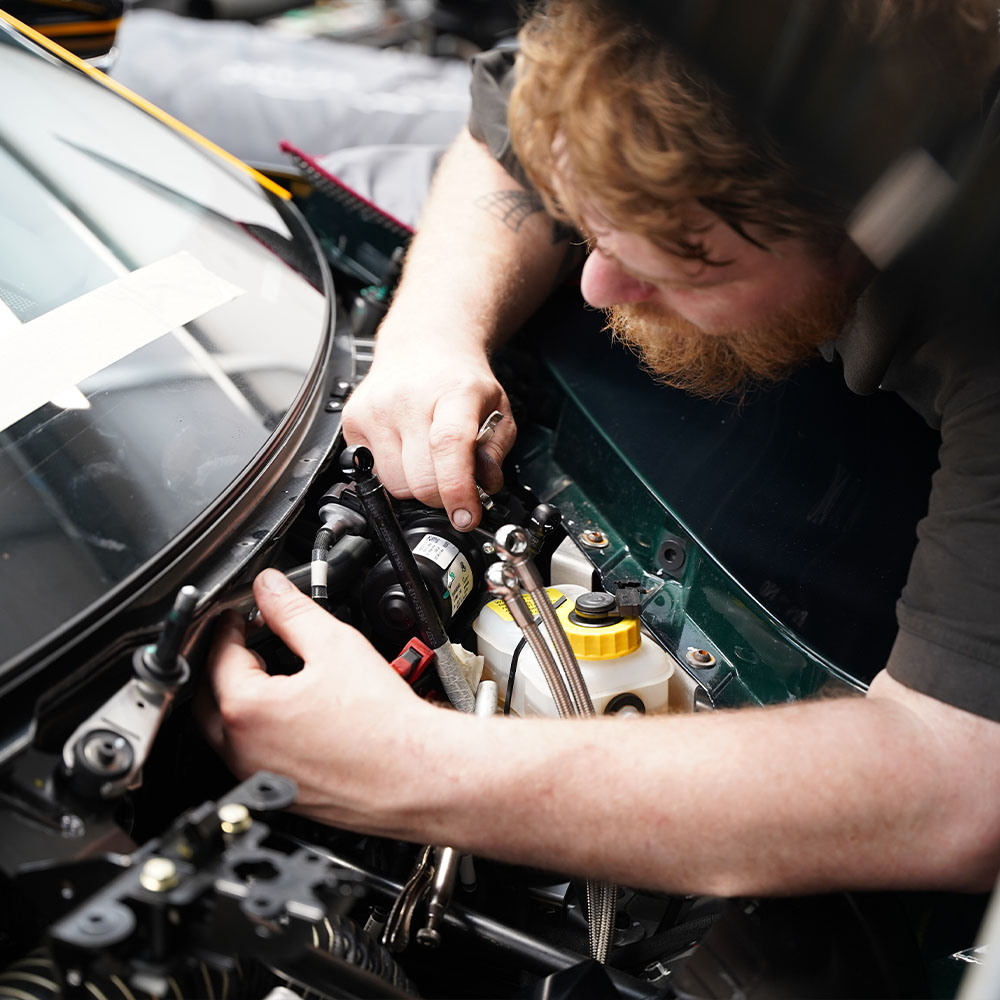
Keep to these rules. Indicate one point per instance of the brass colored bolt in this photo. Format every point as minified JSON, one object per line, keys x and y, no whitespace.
{"x":159,"y":875}
{"x":234,"y":818}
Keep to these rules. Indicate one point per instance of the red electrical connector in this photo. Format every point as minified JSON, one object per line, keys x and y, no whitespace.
{"x":412,"y":661}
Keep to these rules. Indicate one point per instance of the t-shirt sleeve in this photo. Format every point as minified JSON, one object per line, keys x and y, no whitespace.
{"x":948,"y":645}
{"x":492,"y":81}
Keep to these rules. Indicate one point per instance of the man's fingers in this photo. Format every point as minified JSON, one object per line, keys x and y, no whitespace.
{"x":488,"y":473}
{"x":453,"y":444}
{"x":304,"y":627}
{"x":490,"y":456}
{"x":418,"y":469}
{"x":231,"y":664}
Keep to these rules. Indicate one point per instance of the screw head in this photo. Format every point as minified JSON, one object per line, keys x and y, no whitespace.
{"x":159,"y":875}
{"x":106,"y":753}
{"x":701,"y":658}
{"x":594,"y":538}
{"x":234,"y":817}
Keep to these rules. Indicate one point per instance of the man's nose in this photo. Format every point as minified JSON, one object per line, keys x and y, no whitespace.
{"x":604,"y":283}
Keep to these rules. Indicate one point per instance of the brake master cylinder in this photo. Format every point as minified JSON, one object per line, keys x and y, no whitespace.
{"x":622,"y":669}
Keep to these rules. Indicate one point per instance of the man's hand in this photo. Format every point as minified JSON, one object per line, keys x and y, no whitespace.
{"x":346,"y":717}
{"x":474,"y":273}
{"x":419,"y":410}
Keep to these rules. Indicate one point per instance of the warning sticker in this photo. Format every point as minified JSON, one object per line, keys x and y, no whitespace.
{"x":457,"y":581}
{"x":498,"y":607}
{"x":437,"y":549}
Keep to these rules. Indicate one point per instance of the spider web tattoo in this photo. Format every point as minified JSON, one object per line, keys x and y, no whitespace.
{"x":510,"y":207}
{"x":513,"y":207}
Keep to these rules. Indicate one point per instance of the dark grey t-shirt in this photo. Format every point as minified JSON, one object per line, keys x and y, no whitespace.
{"x":948,"y":644}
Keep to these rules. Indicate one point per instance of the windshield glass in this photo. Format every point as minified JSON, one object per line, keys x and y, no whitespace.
{"x":154,"y":333}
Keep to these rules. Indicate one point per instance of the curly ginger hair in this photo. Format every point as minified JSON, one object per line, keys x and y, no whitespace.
{"x":637,"y":130}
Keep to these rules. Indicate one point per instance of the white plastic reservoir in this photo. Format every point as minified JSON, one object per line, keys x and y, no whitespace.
{"x":621,"y":667}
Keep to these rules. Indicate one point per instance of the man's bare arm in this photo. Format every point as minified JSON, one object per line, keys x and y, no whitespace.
{"x":895,"y":789}
{"x":889,"y":791}
{"x":485,"y":256}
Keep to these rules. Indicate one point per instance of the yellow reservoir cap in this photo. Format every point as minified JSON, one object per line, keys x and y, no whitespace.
{"x":600,"y":642}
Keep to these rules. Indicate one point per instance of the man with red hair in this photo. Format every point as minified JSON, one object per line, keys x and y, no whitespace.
{"x":722,"y":266}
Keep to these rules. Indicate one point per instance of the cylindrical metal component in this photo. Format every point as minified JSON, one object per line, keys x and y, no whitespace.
{"x":162,"y":657}
{"x":467,"y":873}
{"x":446,"y":862}
{"x":159,"y":875}
{"x":234,"y":818}
{"x":567,"y":658}
{"x":487,"y":699}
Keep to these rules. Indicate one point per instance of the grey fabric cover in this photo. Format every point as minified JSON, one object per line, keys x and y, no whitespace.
{"x":247,"y":87}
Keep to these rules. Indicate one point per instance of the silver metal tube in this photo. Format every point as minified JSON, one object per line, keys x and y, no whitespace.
{"x":514,"y":546}
{"x":487,"y":699}
{"x":501,"y":580}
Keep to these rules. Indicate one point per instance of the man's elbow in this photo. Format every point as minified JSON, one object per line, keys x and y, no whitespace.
{"x":959,"y":848}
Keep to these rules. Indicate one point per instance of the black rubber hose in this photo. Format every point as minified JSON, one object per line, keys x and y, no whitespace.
{"x":322,"y":544}
{"x":358,"y":463}
{"x":362,"y":963}
{"x":345,"y":560}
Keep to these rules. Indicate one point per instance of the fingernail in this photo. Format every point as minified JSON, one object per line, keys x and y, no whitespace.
{"x":274,"y":582}
{"x":461,"y":518}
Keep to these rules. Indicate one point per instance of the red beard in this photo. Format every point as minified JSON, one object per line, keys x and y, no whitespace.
{"x":678,"y":353}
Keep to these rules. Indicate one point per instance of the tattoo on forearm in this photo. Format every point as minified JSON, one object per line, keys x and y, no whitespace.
{"x":510,"y":207}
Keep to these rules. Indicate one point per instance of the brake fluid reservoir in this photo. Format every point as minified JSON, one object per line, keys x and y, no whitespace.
{"x":619,"y":665}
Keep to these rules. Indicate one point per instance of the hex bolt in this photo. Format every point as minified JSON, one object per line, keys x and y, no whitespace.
{"x":234,"y":818}
{"x":594,"y":538}
{"x":104,"y":753}
{"x":700,"y":658}
{"x":159,"y":875}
